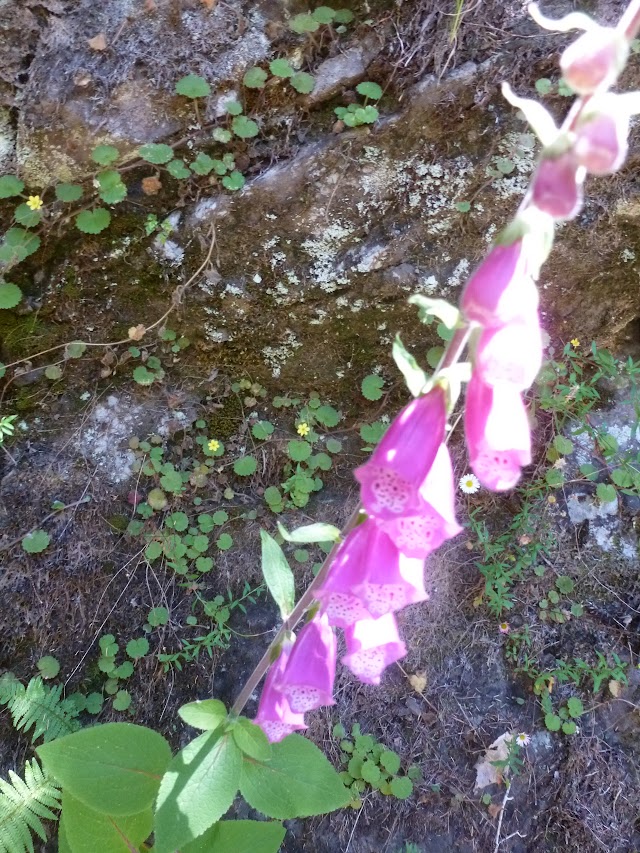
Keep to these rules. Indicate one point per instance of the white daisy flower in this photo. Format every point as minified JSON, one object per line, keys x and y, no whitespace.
{"x":522,"y":739}
{"x":469,"y":484}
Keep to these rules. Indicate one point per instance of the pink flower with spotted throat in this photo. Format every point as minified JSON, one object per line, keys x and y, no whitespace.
{"x":307,"y":679}
{"x":275,"y":716}
{"x":373,"y":644}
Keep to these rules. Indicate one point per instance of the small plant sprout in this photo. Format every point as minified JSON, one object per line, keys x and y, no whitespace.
{"x":469,"y":484}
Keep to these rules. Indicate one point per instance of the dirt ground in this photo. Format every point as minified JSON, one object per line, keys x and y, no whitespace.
{"x":574,"y":793}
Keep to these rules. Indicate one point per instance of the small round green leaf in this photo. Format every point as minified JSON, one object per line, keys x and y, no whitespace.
{"x":104,"y":155}
{"x":10,"y":186}
{"x":68,"y":192}
{"x":343,"y":16}
{"x":178,"y":169}
{"x":245,"y":466}
{"x":138,"y":648}
{"x":299,"y":450}
{"x":36,"y":541}
{"x":193,"y":86}
{"x":569,"y":728}
{"x":203,"y":164}
{"x":606,"y":493}
{"x":122,"y":700}
{"x":333,"y":446}
{"x":158,"y":616}
{"x":53,"y":372}
{"x":390,"y":760}
{"x":48,"y":666}
{"x":10,"y":294}
{"x":234,"y":180}
{"x":157,"y":499}
{"x":143,"y":376}
{"x":255,"y":78}
{"x":303,"y":82}
{"x":369,"y":90}
{"x":552,"y":722}
{"x":244,"y":127}
{"x":234,"y":108}
{"x":27,"y":217}
{"x":281,"y":68}
{"x":262,"y":430}
{"x":220,"y":134}
{"x":401,"y":787}
{"x":224,"y":541}
{"x":93,"y":221}
{"x":371,"y":387}
{"x":323,"y":14}
{"x":303,"y":23}
{"x":575,"y":707}
{"x":74,"y":349}
{"x":220,"y":517}
{"x":156,"y":153}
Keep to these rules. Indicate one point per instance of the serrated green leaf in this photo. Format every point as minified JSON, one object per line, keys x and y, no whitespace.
{"x":606,"y":493}
{"x":68,"y":192}
{"x":221,"y":134}
{"x":18,"y":244}
{"x":563,"y":445}
{"x":401,"y":787}
{"x":104,"y":155}
{"x":554,"y":478}
{"x":10,"y":295}
{"x":390,"y":760}
{"x":255,"y":78}
{"x":193,"y":86}
{"x":203,"y":164}
{"x":138,"y":648}
{"x":93,"y":221}
{"x":262,"y":430}
{"x":48,"y":666}
{"x":233,"y":181}
{"x":177,"y":169}
{"x":324,"y":14}
{"x":281,"y":68}
{"x":10,"y":186}
{"x":298,"y":781}
{"x":299,"y":450}
{"x":205,"y":714}
{"x":372,"y":386}
{"x":36,"y":541}
{"x":327,"y":416}
{"x":245,"y":466}
{"x":114,"y":768}
{"x":369,"y":90}
{"x":53,"y":372}
{"x":27,"y":217}
{"x":74,"y":349}
{"x":302,"y":82}
{"x":156,"y":152}
{"x":303,"y":23}
{"x":277,"y":574}
{"x":244,"y":127}
{"x":251,"y":740}
{"x":372,"y":433}
{"x":575,"y":707}
{"x":552,"y":722}
{"x":199,"y":786}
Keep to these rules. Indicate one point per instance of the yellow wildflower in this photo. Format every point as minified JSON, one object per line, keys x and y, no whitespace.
{"x":303,"y":429}
{"x":34,"y":202}
{"x":575,"y":343}
{"x":213,"y":445}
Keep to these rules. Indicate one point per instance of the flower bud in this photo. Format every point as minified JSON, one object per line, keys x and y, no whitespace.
{"x":373,"y":644}
{"x":497,"y":433}
{"x":557,"y":186}
{"x":390,"y":481}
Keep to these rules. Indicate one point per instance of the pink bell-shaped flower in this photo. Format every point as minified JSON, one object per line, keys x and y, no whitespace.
{"x":497,"y":433}
{"x":391,"y":479}
{"x":373,"y":644}
{"x":502,"y":289}
{"x":275,"y":717}
{"x":370,"y":577}
{"x":602,"y":139}
{"x":307,"y":679}
{"x":419,"y":534}
{"x":594,"y":60}
{"x":511,"y":353}
{"x":557,"y":186}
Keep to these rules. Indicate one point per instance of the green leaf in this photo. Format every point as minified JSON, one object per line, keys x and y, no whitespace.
{"x":575,"y":707}
{"x":177,"y":169}
{"x":272,"y":495}
{"x":414,"y":375}
{"x":255,"y":78}
{"x":245,"y":466}
{"x":543,"y":86}
{"x":302,"y":82}
{"x":193,"y":86}
{"x":53,"y":372}
{"x":224,"y":541}
{"x":390,"y":760}
{"x":68,"y":192}
{"x":203,"y":164}
{"x":569,"y":728}
{"x":298,"y":781}
{"x":138,"y":648}
{"x":239,"y":836}
{"x":564,"y":584}
{"x":122,"y":700}
{"x":36,"y":541}
{"x":370,"y":772}
{"x":371,"y":387}
{"x":48,"y":666}
{"x":277,"y":574}
{"x":234,"y":180}
{"x":554,"y":478}
{"x":205,"y":714}
{"x":221,"y":134}
{"x":114,"y":768}
{"x":244,"y":127}
{"x":563,"y":445}
{"x":299,"y":450}
{"x":606,"y":493}
{"x":333,"y":446}
{"x":303,"y":23}
{"x":93,"y":221}
{"x":10,"y":295}
{"x":158,"y":616}
{"x":172,"y":482}
{"x":369,"y":90}
{"x":463,"y":206}
{"x":104,"y":155}
{"x":156,"y":152}
{"x":262,"y":430}
{"x":199,"y":786}
{"x":589,"y":471}
{"x":88,"y":831}
{"x":318,"y":532}
{"x":220,"y":517}
{"x":10,"y":186}
{"x":429,"y":308}
{"x":125,"y":670}
{"x":251,"y":740}
{"x":27,"y":217}
{"x":233,"y":108}
{"x":281,"y":68}
{"x":18,"y":244}
{"x":74,"y":349}
{"x":552,"y":722}
{"x":112,"y":190}
{"x":372,"y":433}
{"x":327,"y":416}
{"x":401,"y":787}
{"x":324,"y":14}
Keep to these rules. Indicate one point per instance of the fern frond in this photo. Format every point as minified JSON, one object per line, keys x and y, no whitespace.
{"x":39,"y":707}
{"x":23,"y":802}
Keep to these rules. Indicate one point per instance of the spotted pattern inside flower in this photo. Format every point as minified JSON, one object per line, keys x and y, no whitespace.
{"x":303,"y":698}
{"x":275,"y":730}
{"x":367,"y":663}
{"x":497,"y":470}
{"x":391,"y":492}
{"x":343,"y":609}
{"x":384,"y":598}
{"x":417,"y":533}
